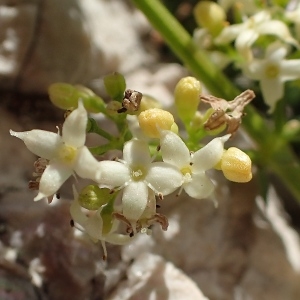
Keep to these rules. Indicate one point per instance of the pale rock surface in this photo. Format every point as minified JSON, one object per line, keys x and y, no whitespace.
{"x":74,"y":41}
{"x":231,"y":252}
{"x":151,"y":277}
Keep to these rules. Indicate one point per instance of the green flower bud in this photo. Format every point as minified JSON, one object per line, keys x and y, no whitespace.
{"x":115,"y":86}
{"x":63,"y":95}
{"x":66,"y":96}
{"x":210,"y":15}
{"x":92,"y":197}
{"x":187,"y":97}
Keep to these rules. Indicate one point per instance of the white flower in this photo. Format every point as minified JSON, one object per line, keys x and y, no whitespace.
{"x":136,"y":173}
{"x":272,"y":72}
{"x":294,"y":16}
{"x":246,"y":33}
{"x":192,"y":166}
{"x":65,"y":153}
{"x":93,"y":225}
{"x":203,"y":39}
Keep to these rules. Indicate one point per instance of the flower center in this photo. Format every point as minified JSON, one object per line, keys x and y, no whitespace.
{"x":187,"y":173}
{"x":138,"y":173}
{"x":272,"y":71}
{"x":67,"y":153}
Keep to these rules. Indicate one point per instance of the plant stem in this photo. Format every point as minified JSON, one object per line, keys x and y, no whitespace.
{"x":199,"y":63}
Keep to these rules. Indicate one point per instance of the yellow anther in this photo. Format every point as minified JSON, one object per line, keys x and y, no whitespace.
{"x":138,"y":173}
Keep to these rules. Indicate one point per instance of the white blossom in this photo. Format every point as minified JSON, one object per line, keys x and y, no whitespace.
{"x":66,"y":153}
{"x":93,"y":225}
{"x":192,"y":165}
{"x":246,"y":33}
{"x":136,"y":173}
{"x":272,"y":72}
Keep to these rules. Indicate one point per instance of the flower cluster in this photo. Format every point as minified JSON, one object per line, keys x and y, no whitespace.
{"x":156,"y":161}
{"x":259,"y":41}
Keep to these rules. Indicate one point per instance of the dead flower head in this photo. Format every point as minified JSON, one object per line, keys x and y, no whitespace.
{"x":227,"y":112}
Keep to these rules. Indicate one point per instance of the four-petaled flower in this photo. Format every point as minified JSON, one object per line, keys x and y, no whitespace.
{"x":95,"y":227}
{"x":246,"y":33}
{"x":192,"y":165}
{"x":136,"y":173}
{"x":66,"y":153}
{"x":272,"y":72}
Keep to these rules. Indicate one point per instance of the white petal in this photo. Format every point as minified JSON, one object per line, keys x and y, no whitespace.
{"x":86,"y":165}
{"x":259,"y":18}
{"x":207,"y":157}
{"x":76,"y":213}
{"x":136,"y":152}
{"x":276,"y":52}
{"x":272,"y":90}
{"x":112,"y":174}
{"x":118,"y":239}
{"x":173,"y":149}
{"x":52,"y":179}
{"x":290,"y":69}
{"x":228,"y":34}
{"x":74,"y":128}
{"x":40,"y":142}
{"x":244,"y":42}
{"x":277,"y":28}
{"x":200,"y":187}
{"x":255,"y":69}
{"x":93,"y":226}
{"x":134,"y":200}
{"x":164,"y":178}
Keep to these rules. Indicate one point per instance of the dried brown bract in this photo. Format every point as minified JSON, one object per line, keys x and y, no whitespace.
{"x":131,"y":101}
{"x":143,"y":224}
{"x":227,"y":112}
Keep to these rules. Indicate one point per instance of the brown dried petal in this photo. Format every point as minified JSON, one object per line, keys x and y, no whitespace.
{"x":229,"y":112}
{"x":131,"y":101}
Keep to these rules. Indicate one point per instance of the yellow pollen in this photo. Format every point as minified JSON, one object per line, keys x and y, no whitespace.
{"x":138,"y":173}
{"x":186,"y":170}
{"x":67,"y":153}
{"x":272,"y":71}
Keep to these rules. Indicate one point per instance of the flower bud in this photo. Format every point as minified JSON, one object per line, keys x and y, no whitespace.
{"x":115,"y":86}
{"x":153,"y":120}
{"x":92,"y":197}
{"x":66,"y":96}
{"x":210,"y":15}
{"x":187,"y":97}
{"x":236,"y":165}
{"x":148,"y":102}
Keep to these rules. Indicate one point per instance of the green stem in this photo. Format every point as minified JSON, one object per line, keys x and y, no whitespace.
{"x":199,"y":63}
{"x":93,"y":127}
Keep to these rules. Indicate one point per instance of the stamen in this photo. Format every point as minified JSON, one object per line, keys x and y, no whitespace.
{"x":104,"y":257}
